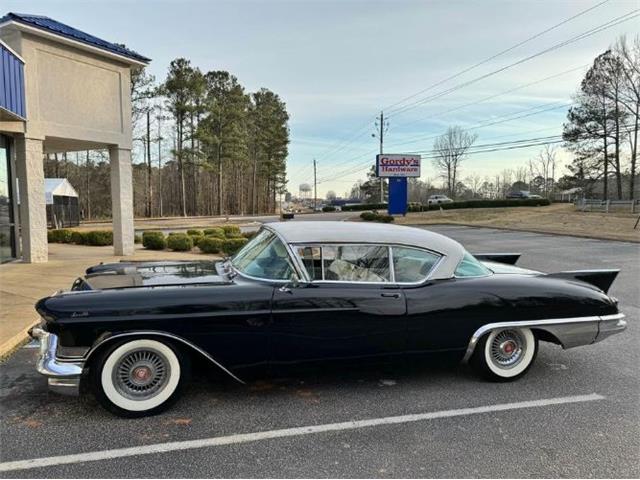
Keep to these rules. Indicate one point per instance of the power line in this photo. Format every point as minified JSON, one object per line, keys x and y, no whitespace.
{"x":611,"y":23}
{"x":491,"y":97}
{"x":502,"y":119}
{"x":492,"y":57}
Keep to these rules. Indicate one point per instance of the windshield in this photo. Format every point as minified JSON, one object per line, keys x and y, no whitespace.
{"x":265,"y":256}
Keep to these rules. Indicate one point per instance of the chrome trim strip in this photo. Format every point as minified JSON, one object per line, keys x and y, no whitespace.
{"x":167,"y":335}
{"x":532,"y":323}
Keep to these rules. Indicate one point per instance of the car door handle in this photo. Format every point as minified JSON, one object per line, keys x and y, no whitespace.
{"x":255,"y":322}
{"x":390,"y":295}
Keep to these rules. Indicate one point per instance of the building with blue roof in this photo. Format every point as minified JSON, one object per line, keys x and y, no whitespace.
{"x":61,"y":90}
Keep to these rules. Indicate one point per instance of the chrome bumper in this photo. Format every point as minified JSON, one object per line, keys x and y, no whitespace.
{"x":610,"y":325}
{"x":63,"y":375}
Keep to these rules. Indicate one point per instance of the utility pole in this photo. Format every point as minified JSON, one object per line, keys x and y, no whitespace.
{"x":160,"y":161}
{"x":149,"y":191}
{"x":315,"y":186}
{"x":381,"y":151}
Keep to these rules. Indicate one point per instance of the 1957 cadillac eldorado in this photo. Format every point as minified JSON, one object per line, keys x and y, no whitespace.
{"x":310,"y":292}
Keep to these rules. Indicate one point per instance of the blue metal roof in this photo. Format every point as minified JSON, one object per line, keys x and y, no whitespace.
{"x":11,"y":83}
{"x":53,"y":26}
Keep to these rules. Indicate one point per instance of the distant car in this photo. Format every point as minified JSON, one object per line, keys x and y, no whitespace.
{"x":520,"y":194}
{"x":438,"y":199}
{"x":537,"y":197}
{"x":305,"y":293}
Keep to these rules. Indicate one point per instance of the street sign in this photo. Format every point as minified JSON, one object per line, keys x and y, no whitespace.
{"x":397,"y":165}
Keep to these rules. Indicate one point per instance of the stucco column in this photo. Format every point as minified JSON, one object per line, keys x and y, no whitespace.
{"x":121,"y":200}
{"x":33,"y":212}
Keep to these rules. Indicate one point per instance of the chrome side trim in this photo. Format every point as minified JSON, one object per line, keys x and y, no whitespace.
{"x":579,"y":330}
{"x":166,"y":335}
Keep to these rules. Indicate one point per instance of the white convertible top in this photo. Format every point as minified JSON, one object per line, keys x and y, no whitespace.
{"x":361,"y":232}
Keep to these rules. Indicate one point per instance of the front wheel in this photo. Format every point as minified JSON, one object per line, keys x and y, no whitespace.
{"x":139,"y":377}
{"x":505,"y":355}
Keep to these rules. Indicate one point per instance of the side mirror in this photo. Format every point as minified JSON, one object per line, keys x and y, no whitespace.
{"x":294,"y":281}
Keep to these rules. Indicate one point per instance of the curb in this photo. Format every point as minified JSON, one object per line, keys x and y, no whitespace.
{"x":10,"y":346}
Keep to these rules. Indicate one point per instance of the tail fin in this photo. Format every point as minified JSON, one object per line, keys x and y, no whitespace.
{"x":602,"y":278}
{"x":508,"y":258}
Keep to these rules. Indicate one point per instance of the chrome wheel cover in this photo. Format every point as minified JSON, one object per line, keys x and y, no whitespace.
{"x":508,"y":348}
{"x":141,"y":374}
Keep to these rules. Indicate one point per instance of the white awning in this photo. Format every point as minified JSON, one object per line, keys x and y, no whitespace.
{"x":57,"y":187}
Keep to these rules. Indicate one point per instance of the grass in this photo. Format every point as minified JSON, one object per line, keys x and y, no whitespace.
{"x":557,"y":219}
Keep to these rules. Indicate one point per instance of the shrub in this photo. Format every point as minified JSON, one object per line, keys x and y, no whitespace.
{"x":375,"y":217}
{"x":98,"y":238}
{"x":137,"y":239}
{"x":77,"y":238}
{"x":61,"y":235}
{"x":249,"y":235}
{"x":364,"y":206}
{"x":232,"y":245}
{"x":195,"y":233}
{"x":328,"y":208}
{"x":210,"y":245}
{"x":368,"y":216}
{"x":154,"y":240}
{"x":231,"y":230}
{"x":196,"y":239}
{"x":180,"y":242}
{"x":525,"y":202}
{"x":214,"y":232}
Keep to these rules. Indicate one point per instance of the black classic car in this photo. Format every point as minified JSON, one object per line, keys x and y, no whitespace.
{"x":302,"y":293}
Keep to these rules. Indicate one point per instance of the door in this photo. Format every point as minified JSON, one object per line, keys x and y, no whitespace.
{"x":350,"y":311}
{"x":7,"y":205}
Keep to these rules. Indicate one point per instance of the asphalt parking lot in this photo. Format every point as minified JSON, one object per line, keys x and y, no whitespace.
{"x":581,"y":416}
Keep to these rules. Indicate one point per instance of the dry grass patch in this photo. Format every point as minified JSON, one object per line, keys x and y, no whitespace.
{"x":558,"y":219}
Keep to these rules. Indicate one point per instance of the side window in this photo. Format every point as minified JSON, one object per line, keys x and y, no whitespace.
{"x":356,"y":263}
{"x":412,"y":265}
{"x":471,"y":267}
{"x":312,"y":259}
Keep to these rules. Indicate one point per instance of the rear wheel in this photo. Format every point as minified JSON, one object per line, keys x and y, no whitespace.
{"x":504,"y":355}
{"x":140,"y":377}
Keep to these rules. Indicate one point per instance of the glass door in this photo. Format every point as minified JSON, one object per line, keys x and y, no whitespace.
{"x":7,"y":221}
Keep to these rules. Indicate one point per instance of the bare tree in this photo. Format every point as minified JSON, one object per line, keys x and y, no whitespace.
{"x":544,"y":166}
{"x":449,"y":151}
{"x":630,"y":98}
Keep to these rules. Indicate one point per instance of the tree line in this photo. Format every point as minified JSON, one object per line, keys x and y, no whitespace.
{"x":203,"y":145}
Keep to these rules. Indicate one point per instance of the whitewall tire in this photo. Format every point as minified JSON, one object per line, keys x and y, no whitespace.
{"x":139,"y":377}
{"x":505,"y":354}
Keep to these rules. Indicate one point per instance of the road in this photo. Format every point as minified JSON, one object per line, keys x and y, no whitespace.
{"x":580,"y":435}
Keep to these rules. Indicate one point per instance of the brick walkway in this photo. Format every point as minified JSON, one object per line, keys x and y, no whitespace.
{"x":22,"y":284}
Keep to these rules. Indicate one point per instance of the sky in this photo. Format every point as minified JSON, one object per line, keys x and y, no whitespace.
{"x":337,"y":64}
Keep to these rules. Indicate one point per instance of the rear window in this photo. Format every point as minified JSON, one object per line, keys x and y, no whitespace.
{"x":471,"y":267}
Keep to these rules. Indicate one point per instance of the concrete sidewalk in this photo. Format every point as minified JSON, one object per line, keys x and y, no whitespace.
{"x":22,"y":284}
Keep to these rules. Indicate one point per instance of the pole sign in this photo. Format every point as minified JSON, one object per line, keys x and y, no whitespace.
{"x":397,"y":165}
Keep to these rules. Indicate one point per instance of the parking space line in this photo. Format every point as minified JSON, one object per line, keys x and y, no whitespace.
{"x":285,"y":432}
